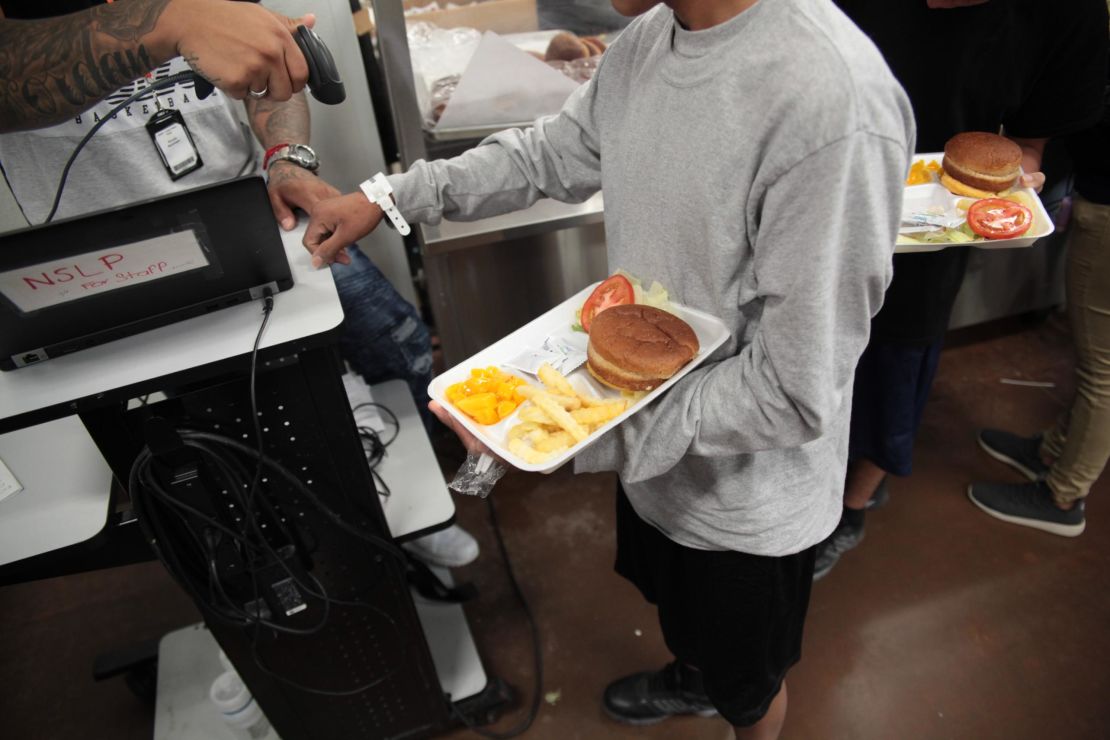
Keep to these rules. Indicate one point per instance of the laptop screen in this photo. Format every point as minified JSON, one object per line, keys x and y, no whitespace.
{"x":101,"y":270}
{"x":86,"y":280}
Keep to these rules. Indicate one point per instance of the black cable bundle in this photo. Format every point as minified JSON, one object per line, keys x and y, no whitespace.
{"x":374,"y":446}
{"x":191,"y":556}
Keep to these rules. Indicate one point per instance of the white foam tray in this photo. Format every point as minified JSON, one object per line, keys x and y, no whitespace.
{"x":920,"y":197}
{"x":710,"y":330}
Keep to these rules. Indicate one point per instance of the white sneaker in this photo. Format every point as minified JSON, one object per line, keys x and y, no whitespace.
{"x":449,"y":548}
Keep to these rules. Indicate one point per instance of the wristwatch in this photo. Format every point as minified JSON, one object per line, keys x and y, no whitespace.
{"x":299,"y":154}
{"x":378,"y":190}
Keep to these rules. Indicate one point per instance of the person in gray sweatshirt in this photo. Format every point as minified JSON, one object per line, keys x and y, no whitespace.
{"x":752,"y":156}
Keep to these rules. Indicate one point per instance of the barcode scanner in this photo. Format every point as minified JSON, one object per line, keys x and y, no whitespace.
{"x":323,"y":77}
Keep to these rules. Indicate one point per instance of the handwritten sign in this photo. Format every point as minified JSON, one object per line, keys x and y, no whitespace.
{"x":93,"y":273}
{"x":9,"y":484}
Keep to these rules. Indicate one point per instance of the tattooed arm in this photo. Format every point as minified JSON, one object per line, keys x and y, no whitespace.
{"x":54,"y":68}
{"x":290,"y":185}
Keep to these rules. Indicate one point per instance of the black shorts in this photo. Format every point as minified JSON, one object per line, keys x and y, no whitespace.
{"x":891,"y":387}
{"x":736,"y":617}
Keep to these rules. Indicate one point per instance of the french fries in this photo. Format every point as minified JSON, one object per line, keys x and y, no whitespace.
{"x":529,"y":454}
{"x":569,"y":402}
{"x":554,"y":380}
{"x":598,"y":414}
{"x":558,"y":417}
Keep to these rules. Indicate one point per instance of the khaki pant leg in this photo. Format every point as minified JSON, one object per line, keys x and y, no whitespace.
{"x":1087,"y":444}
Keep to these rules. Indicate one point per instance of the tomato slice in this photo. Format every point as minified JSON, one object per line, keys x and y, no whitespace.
{"x":614,"y":291}
{"x":997,"y":218}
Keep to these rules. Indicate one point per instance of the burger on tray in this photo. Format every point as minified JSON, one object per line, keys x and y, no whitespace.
{"x":636,"y":348}
{"x":971,"y":197}
{"x":980,"y":165}
{"x":583,"y":367}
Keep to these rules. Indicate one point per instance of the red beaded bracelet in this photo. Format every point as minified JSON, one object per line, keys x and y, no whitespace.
{"x":271,"y":152}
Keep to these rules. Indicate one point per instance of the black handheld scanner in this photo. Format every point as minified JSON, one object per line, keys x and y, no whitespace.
{"x":323,"y":77}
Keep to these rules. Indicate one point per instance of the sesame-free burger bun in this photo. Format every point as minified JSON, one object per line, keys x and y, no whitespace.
{"x":567,"y":47}
{"x":986,"y":163}
{"x":635,"y":347}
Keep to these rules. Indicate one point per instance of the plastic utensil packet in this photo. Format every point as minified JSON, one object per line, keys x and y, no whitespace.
{"x":477,"y":475}
{"x":572,"y":353}
{"x":557,"y":352}
{"x":945,"y":221}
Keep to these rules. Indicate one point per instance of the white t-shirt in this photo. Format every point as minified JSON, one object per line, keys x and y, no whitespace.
{"x":120,"y":164}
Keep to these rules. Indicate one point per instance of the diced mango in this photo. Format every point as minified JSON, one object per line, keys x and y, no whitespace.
{"x":922,"y":172}
{"x":479,"y":401}
{"x":486,"y":416}
{"x":487,"y":395}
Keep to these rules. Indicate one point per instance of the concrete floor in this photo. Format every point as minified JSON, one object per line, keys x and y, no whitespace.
{"x":945,"y":623}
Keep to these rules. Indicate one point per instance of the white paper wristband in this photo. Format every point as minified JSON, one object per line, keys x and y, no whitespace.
{"x":378,"y":190}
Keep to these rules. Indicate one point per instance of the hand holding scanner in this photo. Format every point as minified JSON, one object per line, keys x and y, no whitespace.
{"x":323,"y":77}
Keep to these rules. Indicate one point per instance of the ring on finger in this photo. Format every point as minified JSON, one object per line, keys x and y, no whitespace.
{"x":260,"y":93}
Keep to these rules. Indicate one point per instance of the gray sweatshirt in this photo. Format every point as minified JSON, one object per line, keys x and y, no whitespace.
{"x":755,"y":169}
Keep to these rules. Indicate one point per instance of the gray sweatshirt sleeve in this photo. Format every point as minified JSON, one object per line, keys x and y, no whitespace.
{"x":559,"y":157}
{"x":826,"y":230}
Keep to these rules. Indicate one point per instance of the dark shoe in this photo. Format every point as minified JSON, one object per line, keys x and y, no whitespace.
{"x":878,"y":498}
{"x":843,"y":539}
{"x":1029,"y":504}
{"x":1020,"y":453}
{"x":653,"y":696}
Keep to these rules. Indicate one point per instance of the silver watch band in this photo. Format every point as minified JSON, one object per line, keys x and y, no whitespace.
{"x":301,"y":155}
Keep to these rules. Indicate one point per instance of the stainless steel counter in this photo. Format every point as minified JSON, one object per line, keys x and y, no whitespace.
{"x":486,"y":278}
{"x":545,"y":216}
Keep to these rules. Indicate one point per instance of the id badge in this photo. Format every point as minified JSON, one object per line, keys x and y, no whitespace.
{"x":174,"y":143}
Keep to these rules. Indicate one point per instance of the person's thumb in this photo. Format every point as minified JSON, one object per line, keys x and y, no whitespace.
{"x":282,"y":212}
{"x":329,"y":251}
{"x":308,"y":19}
{"x":1033,"y":180}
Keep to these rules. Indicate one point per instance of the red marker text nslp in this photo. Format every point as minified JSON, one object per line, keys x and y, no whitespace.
{"x":89,"y":269}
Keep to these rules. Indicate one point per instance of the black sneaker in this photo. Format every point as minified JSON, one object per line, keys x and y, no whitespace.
{"x":653,"y":696}
{"x":1029,"y":504}
{"x":1021,"y":453}
{"x":844,"y":538}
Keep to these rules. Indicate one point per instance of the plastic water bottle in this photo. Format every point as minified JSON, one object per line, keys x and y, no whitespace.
{"x":238,"y":708}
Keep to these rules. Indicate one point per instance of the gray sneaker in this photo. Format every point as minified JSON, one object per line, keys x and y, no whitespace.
{"x":1020,"y":453}
{"x":1029,"y":504}
{"x":878,"y":498}
{"x":829,"y":550}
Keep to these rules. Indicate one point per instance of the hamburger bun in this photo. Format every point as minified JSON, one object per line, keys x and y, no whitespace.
{"x":566,"y":47}
{"x":983,"y":164}
{"x":636,"y":348}
{"x":596,"y":45}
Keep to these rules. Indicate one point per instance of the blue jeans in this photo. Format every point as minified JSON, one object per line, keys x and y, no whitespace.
{"x":383,"y":337}
{"x":892,"y":384}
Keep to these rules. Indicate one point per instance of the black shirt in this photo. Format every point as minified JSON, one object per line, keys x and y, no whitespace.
{"x":1028,"y":65}
{"x":31,"y":9}
{"x":1090,"y":152}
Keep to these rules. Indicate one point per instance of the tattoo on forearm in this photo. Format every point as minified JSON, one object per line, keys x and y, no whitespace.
{"x":279,"y":123}
{"x":194,"y":64}
{"x":282,"y":171}
{"x":130,"y":21}
{"x":54,"y":68}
